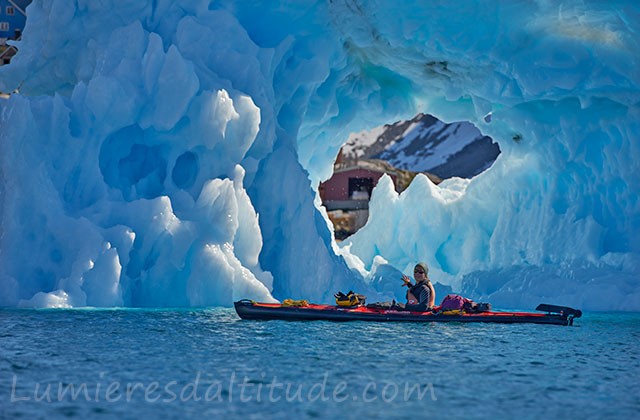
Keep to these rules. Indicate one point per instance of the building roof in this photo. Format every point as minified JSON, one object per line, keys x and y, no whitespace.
{"x":19,"y":4}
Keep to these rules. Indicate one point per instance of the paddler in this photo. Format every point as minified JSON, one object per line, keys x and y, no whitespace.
{"x":422,"y":295}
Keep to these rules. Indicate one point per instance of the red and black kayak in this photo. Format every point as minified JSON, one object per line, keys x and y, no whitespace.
{"x":550,"y":314}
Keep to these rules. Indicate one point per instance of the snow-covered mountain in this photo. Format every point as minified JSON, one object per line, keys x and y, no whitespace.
{"x":426,"y":144}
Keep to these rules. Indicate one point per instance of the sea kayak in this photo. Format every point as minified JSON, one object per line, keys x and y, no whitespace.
{"x":550,"y":314}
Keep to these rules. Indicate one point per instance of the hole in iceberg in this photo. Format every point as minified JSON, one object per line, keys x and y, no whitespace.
{"x":423,"y":144}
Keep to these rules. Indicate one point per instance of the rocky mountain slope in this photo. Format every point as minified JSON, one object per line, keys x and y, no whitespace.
{"x":426,"y":144}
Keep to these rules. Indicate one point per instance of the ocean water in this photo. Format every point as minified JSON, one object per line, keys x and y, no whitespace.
{"x":207,"y":362}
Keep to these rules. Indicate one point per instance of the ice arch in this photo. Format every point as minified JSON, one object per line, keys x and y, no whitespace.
{"x":165,"y":152}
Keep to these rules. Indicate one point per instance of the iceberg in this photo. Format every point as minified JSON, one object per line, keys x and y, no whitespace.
{"x":168,"y":152}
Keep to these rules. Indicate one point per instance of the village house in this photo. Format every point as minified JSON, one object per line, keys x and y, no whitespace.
{"x":13,"y":17}
{"x":346,"y":194}
{"x":352,"y":182}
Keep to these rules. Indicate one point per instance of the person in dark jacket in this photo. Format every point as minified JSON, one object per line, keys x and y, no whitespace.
{"x":420,"y":296}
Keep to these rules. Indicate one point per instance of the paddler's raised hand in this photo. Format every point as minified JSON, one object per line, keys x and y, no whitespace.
{"x":406,"y":280}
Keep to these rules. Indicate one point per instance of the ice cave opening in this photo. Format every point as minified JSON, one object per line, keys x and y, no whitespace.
{"x":401,"y":150}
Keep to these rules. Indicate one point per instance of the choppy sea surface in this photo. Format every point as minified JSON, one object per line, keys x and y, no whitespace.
{"x":129,"y":363}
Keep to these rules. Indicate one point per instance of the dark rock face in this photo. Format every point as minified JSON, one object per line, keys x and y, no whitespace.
{"x":426,"y":144}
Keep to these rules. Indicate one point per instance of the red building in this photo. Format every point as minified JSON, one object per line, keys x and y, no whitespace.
{"x":346,"y":194}
{"x":353,"y":182}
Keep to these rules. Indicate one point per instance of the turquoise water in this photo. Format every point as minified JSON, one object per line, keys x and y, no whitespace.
{"x":189,"y":363}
